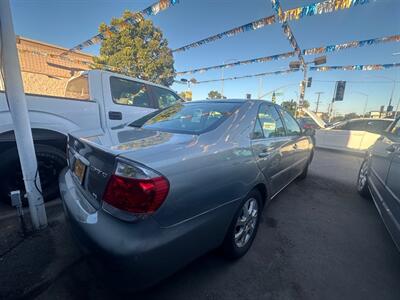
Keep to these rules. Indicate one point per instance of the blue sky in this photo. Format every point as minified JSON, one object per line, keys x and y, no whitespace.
{"x":69,"y":22}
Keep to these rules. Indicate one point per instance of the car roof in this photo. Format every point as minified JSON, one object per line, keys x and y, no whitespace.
{"x":372,"y":119}
{"x":231,"y":101}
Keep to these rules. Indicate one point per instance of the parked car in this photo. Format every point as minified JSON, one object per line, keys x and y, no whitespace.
{"x":94,"y":99}
{"x":379,"y":176}
{"x":355,"y":135}
{"x":152,"y":196}
{"x":307,"y":123}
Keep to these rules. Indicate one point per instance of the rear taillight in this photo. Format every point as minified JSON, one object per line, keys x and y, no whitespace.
{"x":135,"y":189}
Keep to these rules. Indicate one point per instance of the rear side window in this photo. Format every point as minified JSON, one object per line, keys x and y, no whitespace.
{"x":164,"y":97}
{"x":358,"y":125}
{"x":377,"y":126}
{"x":269,"y":123}
{"x":77,"y":88}
{"x":128,"y":92}
{"x":396,"y":128}
{"x":292,"y":127}
{"x":191,"y":118}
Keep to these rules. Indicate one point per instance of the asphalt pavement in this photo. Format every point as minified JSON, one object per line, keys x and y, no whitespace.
{"x":317,"y":240}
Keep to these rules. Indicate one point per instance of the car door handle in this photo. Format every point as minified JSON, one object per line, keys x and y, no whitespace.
{"x":115,"y":115}
{"x":295,"y":147}
{"x":265,"y":152}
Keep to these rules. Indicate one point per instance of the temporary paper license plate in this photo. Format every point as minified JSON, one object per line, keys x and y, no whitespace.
{"x":79,"y":170}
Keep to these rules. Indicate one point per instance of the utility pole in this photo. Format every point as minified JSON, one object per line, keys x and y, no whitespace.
{"x":316,"y":108}
{"x":10,"y":66}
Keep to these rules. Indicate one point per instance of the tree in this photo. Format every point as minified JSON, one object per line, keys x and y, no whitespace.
{"x":306,"y":104}
{"x":350,"y":116}
{"x":138,"y":50}
{"x":215,"y":95}
{"x":290,"y":106}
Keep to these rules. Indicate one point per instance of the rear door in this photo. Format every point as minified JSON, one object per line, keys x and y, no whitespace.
{"x":392,"y":201}
{"x":130,"y":100}
{"x":298,"y":144}
{"x":270,"y":147}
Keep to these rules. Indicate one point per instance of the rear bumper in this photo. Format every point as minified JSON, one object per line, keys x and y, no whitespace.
{"x":139,"y":254}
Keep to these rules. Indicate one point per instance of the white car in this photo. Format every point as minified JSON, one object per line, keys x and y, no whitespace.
{"x":355,"y":135}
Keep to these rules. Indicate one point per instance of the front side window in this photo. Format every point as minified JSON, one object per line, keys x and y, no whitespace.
{"x":164,"y":97}
{"x":270,"y":122}
{"x":128,"y":92}
{"x":292,"y":127}
{"x":190,"y":118}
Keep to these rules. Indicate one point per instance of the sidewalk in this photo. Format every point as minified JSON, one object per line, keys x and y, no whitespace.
{"x":28,"y":265}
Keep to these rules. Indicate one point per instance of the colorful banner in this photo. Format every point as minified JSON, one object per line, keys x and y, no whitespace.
{"x":289,"y":15}
{"x":232,"y":32}
{"x":378,"y":67}
{"x":152,"y":10}
{"x":352,"y":44}
{"x":311,"y":51}
{"x":319,"y":8}
{"x":249,"y":76}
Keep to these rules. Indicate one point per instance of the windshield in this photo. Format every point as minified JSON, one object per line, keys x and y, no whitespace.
{"x":189,"y":118}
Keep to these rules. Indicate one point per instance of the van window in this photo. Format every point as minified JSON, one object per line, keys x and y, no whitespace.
{"x":128,"y":92}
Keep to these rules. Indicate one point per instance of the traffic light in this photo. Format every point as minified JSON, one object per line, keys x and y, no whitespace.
{"x":309,"y":81}
{"x":273,"y":97}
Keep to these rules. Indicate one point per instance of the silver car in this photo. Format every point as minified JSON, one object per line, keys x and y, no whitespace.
{"x":379,"y":176}
{"x":148,"y":198}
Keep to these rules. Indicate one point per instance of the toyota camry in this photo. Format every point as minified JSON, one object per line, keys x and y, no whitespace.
{"x":149,"y":197}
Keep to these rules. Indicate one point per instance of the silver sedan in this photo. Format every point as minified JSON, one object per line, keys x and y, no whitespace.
{"x":148,"y":198}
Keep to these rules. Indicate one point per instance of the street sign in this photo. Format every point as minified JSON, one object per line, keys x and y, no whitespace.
{"x":339,"y":90}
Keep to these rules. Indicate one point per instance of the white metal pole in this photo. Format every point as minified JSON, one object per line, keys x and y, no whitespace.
{"x":222,"y":83}
{"x":365,"y":106}
{"x":19,"y":114}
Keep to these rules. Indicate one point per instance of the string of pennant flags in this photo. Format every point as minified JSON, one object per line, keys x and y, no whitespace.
{"x":289,"y":15}
{"x":249,"y":76}
{"x":287,"y":30}
{"x":375,"y":67}
{"x":311,"y":51}
{"x":152,"y":10}
{"x":356,"y":67}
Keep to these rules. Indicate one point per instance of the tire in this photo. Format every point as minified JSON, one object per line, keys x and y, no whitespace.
{"x":50,"y":163}
{"x":234,"y":245}
{"x":362,"y":180}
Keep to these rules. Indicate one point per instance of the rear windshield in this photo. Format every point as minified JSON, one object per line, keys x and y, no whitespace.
{"x":190,"y":118}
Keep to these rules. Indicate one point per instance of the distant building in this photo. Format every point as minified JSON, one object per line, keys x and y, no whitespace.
{"x":44,"y":71}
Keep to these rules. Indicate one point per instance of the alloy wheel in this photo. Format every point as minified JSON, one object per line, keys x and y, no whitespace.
{"x":246,"y":222}
{"x":362,"y":178}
